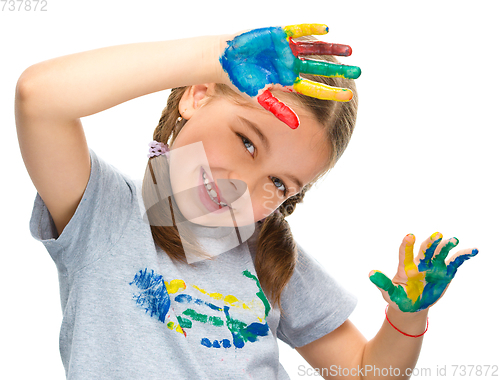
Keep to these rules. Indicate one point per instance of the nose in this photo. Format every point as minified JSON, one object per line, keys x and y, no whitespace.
{"x":239,"y":179}
{"x":231,"y":189}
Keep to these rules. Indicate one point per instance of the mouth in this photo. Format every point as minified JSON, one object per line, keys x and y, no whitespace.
{"x":213,"y":191}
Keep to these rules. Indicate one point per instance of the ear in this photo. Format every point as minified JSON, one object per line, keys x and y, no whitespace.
{"x":194,"y":98}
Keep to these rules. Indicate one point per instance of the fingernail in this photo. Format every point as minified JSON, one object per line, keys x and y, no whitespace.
{"x":436,"y":235}
{"x":410,"y":238}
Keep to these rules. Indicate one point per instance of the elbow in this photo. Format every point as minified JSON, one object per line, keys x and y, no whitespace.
{"x":30,"y":92}
{"x":26,"y":85}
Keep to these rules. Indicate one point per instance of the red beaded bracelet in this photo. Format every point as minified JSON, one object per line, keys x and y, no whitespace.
{"x":412,"y":336}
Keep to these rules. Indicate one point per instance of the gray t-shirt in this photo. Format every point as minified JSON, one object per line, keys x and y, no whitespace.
{"x":130,"y":312}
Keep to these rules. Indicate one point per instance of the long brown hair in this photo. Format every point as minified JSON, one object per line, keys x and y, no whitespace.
{"x":276,"y":251}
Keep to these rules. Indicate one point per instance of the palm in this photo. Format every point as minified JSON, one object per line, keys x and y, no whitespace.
{"x":262,"y":58}
{"x":420,"y":282}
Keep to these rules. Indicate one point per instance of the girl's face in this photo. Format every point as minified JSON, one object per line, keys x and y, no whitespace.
{"x":255,"y":160}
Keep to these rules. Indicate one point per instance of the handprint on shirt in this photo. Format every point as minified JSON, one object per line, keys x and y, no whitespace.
{"x":258,"y":59}
{"x":154,"y":293}
{"x":423,"y":284}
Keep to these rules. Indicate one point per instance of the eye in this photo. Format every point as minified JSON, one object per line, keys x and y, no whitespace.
{"x":247,"y":144}
{"x":278,"y":183}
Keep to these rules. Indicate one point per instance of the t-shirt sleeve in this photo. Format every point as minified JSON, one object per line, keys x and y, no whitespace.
{"x":97,"y":223}
{"x":314,"y":304}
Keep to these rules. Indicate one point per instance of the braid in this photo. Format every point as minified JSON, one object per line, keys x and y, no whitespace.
{"x":276,"y":249}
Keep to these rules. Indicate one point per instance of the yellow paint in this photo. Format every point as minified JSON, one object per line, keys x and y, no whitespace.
{"x":175,"y":327}
{"x":179,"y":329}
{"x":299,"y":30}
{"x":436,"y":235}
{"x":174,"y":286}
{"x":322,"y":91}
{"x":415,"y":283}
{"x":231,"y":300}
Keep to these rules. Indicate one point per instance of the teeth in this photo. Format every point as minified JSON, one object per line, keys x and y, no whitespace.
{"x":211,"y":192}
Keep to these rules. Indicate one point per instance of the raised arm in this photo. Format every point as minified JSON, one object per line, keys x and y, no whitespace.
{"x":52,"y":96}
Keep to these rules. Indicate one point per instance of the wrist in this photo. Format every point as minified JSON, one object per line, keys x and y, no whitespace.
{"x":220,"y":46}
{"x":409,"y":323}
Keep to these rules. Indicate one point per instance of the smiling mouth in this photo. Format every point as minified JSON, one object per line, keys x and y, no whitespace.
{"x":211,"y":191}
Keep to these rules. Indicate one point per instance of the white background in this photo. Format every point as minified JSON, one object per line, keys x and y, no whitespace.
{"x":423,"y":158}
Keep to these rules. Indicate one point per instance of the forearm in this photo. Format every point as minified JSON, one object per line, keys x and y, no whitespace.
{"x":85,"y":83}
{"x":391,"y":349}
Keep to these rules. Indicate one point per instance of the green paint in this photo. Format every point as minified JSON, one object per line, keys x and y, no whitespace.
{"x":326,"y":69}
{"x":199,"y":317}
{"x":445,"y":250}
{"x":242,"y":332}
{"x":216,"y":321}
{"x":260,"y":293}
{"x":397,"y":294}
{"x":195,"y":316}
{"x":184,"y":322}
{"x":437,"y":277}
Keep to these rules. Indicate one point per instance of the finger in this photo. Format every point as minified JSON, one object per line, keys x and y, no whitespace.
{"x":278,"y":109}
{"x":299,"y":30}
{"x":407,"y":269}
{"x":458,"y":259}
{"x":427,"y":244}
{"x":326,"y":69}
{"x":322,"y":91}
{"x":406,"y":264}
{"x":382,"y":281}
{"x":445,"y":248}
{"x":319,"y":47}
{"x":427,"y":251}
{"x":396,"y":294}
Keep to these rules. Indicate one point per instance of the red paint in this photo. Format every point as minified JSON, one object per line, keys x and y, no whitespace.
{"x":278,"y":109}
{"x":319,"y":47}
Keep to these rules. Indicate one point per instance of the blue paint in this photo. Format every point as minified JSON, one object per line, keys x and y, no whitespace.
{"x":216,"y":343}
{"x":453,"y":266}
{"x":206,"y":342}
{"x":255,"y":330}
{"x":186,"y":298}
{"x":437,"y":277}
{"x":425,"y":263}
{"x":242,"y":332}
{"x":259,"y":57}
{"x":153,"y":296}
{"x":183,"y":298}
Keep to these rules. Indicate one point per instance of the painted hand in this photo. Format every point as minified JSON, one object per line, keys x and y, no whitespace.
{"x":262,"y":59}
{"x":421,"y":282}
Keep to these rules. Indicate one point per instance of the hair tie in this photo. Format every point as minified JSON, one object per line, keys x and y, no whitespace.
{"x":157,"y":149}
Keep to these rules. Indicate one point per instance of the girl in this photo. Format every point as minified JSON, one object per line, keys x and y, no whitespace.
{"x":214,"y":276}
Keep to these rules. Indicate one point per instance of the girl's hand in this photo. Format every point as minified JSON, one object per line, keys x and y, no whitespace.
{"x":421,"y":282}
{"x":264,"y":59}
